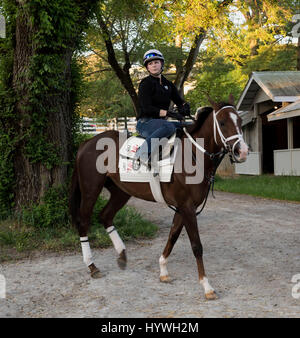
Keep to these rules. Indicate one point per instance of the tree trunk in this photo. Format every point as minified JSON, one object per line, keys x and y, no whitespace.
{"x":122,"y":74}
{"x":298,"y":54}
{"x":33,"y":179}
{"x":185,"y":71}
{"x":178,"y":63}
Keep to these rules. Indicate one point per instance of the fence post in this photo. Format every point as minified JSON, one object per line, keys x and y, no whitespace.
{"x":125,"y":122}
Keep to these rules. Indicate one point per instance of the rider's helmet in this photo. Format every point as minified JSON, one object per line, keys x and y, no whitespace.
{"x":153,"y":54}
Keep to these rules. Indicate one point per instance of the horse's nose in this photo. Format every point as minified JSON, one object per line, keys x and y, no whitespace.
{"x":237,"y":151}
{"x":243,"y":151}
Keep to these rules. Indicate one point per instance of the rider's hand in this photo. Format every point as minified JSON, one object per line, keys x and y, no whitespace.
{"x":162,"y":113}
{"x":185,"y":110}
{"x":175,"y":115}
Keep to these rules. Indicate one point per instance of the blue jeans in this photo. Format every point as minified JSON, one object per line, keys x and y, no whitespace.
{"x":154,"y":128}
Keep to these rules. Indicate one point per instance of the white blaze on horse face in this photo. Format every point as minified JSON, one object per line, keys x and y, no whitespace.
{"x":243,"y":151}
{"x":234,"y":119}
{"x":115,"y":238}
{"x":163,"y":266}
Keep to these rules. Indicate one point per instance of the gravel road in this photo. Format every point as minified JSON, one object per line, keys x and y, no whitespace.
{"x":251,"y":252}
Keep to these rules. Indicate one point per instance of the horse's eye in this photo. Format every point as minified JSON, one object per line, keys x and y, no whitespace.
{"x":222,"y":123}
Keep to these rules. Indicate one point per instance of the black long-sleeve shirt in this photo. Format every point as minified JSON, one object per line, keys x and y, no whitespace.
{"x":154,"y":96}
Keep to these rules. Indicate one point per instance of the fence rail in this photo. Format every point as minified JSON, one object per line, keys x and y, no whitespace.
{"x":96,"y":126}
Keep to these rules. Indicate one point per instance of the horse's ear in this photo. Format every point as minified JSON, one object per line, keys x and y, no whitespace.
{"x":212,"y":102}
{"x":231,"y":99}
{"x":203,"y":111}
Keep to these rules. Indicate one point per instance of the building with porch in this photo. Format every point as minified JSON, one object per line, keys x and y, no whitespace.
{"x":270,"y":110}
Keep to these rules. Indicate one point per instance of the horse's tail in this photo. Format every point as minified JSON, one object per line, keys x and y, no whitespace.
{"x":75,"y":198}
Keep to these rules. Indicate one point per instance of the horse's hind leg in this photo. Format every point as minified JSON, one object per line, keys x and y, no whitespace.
{"x":173,"y":236}
{"x":118,"y":198}
{"x":89,"y":196}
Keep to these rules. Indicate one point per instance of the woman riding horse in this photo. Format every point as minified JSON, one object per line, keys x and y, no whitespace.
{"x":155,"y":95}
{"x":219,"y":126}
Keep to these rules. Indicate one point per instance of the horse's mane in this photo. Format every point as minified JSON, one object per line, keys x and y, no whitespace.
{"x":202,"y":114}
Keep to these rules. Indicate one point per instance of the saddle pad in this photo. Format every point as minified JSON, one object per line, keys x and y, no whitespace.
{"x":131,"y":172}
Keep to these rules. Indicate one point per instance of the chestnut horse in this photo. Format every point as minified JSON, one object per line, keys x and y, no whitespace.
{"x":219,"y":126}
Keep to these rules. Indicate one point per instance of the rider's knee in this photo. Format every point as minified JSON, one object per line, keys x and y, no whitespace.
{"x":171,"y":128}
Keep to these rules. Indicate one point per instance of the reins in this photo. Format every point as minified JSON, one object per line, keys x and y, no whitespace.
{"x":211,"y":180}
{"x":215,"y":157}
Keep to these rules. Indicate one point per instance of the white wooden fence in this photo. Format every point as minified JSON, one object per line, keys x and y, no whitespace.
{"x":96,"y":126}
{"x":287,"y":162}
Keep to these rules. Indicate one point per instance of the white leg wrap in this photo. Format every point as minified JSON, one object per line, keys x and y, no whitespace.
{"x":115,"y":238}
{"x":86,"y":251}
{"x":163,"y":266}
{"x":206,"y":285}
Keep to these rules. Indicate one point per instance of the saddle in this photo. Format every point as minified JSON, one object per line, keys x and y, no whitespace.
{"x":133,"y":171}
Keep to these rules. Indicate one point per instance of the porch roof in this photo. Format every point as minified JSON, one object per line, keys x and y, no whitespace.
{"x":288,"y":111}
{"x":281,"y":86}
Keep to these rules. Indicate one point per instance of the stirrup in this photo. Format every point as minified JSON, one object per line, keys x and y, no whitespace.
{"x":155,"y":167}
{"x":146,"y":162}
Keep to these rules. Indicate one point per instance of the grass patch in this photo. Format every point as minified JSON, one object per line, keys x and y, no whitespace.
{"x":46,"y":227}
{"x":277,"y":187}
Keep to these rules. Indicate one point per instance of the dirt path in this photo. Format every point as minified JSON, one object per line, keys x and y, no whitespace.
{"x":251,"y":251}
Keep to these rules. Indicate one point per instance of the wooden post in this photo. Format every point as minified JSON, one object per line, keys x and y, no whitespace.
{"x":257,"y":136}
{"x":290,"y":133}
{"x":298,"y":53}
{"x":289,"y":128}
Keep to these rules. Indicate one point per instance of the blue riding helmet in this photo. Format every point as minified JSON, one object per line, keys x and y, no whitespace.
{"x":153,"y":54}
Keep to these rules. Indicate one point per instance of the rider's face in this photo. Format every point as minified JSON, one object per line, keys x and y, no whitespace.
{"x":154,"y":67}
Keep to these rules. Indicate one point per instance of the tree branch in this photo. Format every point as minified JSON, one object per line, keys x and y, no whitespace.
{"x":99,"y":71}
{"x":187,"y":68}
{"x":122,"y":74}
{"x":100,"y":56}
{"x":184,"y":73}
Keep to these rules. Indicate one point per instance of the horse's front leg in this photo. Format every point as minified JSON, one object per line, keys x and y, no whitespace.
{"x":190,"y":222}
{"x":173,"y":236}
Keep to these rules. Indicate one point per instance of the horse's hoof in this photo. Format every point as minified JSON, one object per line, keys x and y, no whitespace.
{"x":165,"y":279}
{"x":95,"y":272}
{"x":122,"y":260}
{"x":211,"y":295}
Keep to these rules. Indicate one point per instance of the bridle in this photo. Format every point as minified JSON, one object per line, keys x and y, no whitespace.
{"x":227,"y":148}
{"x":225,"y":140}
{"x":215,"y":157}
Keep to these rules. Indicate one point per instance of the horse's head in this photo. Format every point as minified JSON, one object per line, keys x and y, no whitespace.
{"x":228,"y":130}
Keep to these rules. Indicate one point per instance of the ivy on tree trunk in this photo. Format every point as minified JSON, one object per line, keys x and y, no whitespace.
{"x":44,"y":36}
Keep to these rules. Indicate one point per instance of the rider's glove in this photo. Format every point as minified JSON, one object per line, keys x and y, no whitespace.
{"x":175,"y":115}
{"x":184,"y":110}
